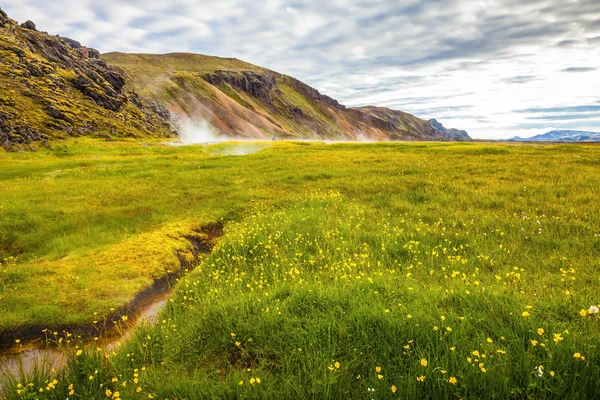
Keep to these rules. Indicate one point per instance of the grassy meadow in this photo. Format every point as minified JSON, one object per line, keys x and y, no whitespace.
{"x":375,"y":271}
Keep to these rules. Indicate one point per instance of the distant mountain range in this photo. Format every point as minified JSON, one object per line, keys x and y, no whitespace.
{"x":559,"y":135}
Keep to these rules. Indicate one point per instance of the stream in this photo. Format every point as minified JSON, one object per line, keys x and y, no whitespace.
{"x":37,"y":353}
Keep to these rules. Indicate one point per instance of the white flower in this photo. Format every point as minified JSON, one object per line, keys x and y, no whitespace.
{"x":540,"y":371}
{"x":593,"y":310}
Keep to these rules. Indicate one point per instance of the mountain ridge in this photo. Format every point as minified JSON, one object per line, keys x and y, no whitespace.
{"x":559,"y":135}
{"x":54,"y":87}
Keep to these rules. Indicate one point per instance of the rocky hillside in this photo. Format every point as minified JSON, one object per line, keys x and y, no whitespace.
{"x":243,"y":100}
{"x":54,"y":87}
{"x":454,"y":134}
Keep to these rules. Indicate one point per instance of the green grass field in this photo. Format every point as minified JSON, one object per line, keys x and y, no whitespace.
{"x":389,"y":270}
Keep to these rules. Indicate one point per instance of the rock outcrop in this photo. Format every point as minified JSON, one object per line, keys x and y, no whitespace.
{"x":54,"y":87}
{"x":452,"y":134}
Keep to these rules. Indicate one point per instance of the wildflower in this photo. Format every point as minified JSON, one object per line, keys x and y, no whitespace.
{"x":79,"y":352}
{"x":17,"y":341}
{"x":525,"y":314}
{"x":551,"y":373}
{"x":423,"y":362}
{"x":534,"y":343}
{"x":443,"y":318}
{"x":108,"y":393}
{"x":378,"y":369}
{"x":138,"y":389}
{"x":409,"y":316}
{"x":380,"y":376}
{"x":257,"y":380}
{"x":558,"y":337}
{"x":489,"y":340}
{"x":337,"y":364}
{"x":449,"y":329}
{"x":394,"y":389}
{"x":452,"y":348}
{"x":500,"y":351}
{"x":421,"y":378}
{"x":540,"y":331}
{"x":540,"y":371}
{"x":583,"y":312}
{"x":252,"y":381}
{"x":452,"y":380}
{"x":577,"y":355}
{"x":593,"y":310}
{"x":91,"y":377}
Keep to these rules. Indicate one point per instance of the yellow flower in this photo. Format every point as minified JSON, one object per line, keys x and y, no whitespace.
{"x":108,"y":393}
{"x":257,"y":380}
{"x":409,"y":316}
{"x":91,"y":377}
{"x":577,"y":355}
{"x":525,"y":314}
{"x":423,"y":362}
{"x":452,"y":380}
{"x":551,"y":373}
{"x":534,"y":342}
{"x":476,"y":353}
{"x":540,"y":331}
{"x":443,"y":318}
{"x":583,"y":313}
{"x":79,"y":352}
{"x":380,"y":376}
{"x":500,"y":351}
{"x":452,"y":348}
{"x":435,"y":328}
{"x":394,"y":389}
{"x":421,"y":378}
{"x":139,"y":389}
{"x":337,"y":364}
{"x":252,"y":381}
{"x":378,"y":369}
{"x":489,"y":340}
{"x":17,"y":341}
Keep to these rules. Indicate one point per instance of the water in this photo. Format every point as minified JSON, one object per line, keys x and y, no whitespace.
{"x":36,"y":353}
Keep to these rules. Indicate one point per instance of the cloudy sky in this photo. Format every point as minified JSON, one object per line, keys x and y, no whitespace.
{"x":497,"y":68}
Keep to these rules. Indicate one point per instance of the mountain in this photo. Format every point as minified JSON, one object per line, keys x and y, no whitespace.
{"x":561,"y":136}
{"x":244,"y":100}
{"x":53,"y":87}
{"x":451,"y":133}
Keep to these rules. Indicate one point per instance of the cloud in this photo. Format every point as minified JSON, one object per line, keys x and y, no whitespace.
{"x":474,"y":62}
{"x":571,"y":109}
{"x":579,"y":69}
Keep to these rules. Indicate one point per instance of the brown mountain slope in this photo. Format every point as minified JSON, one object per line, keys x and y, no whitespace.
{"x":53,"y":87}
{"x":243,"y":100}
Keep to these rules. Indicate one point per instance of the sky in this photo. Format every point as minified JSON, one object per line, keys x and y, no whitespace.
{"x":496,"y":68}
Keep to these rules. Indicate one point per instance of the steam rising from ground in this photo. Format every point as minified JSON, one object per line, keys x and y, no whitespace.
{"x":197,"y":132}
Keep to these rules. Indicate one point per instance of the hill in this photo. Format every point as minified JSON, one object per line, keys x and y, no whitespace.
{"x":559,"y":135}
{"x":53,"y":87}
{"x":244,"y":100}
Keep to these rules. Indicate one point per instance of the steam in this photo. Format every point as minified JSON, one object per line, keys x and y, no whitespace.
{"x":197,"y":132}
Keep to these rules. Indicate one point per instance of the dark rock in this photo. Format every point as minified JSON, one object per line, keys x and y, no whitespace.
{"x":54,"y":113}
{"x":73,"y":43}
{"x":29,"y":25}
{"x":3,"y":14}
{"x":95,"y":54}
{"x":108,"y":98}
{"x":253,"y":83}
{"x":453,"y":134}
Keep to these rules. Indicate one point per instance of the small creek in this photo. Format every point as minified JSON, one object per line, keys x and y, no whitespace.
{"x":37,"y":353}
